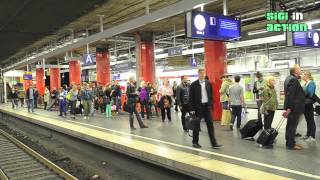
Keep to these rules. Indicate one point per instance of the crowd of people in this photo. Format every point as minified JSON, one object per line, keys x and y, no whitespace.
{"x":144,"y":101}
{"x":300,"y":97}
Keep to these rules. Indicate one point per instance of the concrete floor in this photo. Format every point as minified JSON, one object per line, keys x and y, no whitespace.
{"x":303,"y":164}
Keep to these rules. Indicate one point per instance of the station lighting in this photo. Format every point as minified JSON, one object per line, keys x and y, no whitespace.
{"x":158,"y":50}
{"x":261,"y":31}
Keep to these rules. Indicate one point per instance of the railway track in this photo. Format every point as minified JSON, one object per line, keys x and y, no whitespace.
{"x":17,"y":161}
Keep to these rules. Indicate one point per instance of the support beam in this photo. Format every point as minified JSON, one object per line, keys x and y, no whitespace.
{"x":166,"y":12}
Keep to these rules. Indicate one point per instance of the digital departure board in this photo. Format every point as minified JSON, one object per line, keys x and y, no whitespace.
{"x":311,"y":38}
{"x":27,"y":76}
{"x":203,"y":25}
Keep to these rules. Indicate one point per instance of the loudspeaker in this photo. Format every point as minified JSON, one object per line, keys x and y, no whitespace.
{"x":146,"y":36}
{"x":101,"y":49}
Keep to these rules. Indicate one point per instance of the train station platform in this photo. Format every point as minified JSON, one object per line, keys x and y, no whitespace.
{"x":167,"y":145}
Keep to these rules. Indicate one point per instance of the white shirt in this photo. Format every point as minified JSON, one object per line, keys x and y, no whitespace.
{"x":204,"y":95}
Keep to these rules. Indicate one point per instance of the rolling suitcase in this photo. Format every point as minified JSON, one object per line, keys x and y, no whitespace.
{"x":251,"y":128}
{"x":267,"y":136}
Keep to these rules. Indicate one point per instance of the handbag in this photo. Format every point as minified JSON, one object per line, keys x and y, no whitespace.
{"x":193,"y":123}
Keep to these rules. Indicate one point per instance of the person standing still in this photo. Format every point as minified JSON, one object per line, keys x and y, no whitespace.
{"x":309,"y":89}
{"x":86,"y":99}
{"x":224,"y":100}
{"x":182,"y":99}
{"x":46,"y":97}
{"x":294,"y":106}
{"x":270,"y":102}
{"x":30,"y":95}
{"x":73,"y":100}
{"x":236,"y":102}
{"x":201,"y":104}
{"x":257,"y":90}
{"x":132,"y":96}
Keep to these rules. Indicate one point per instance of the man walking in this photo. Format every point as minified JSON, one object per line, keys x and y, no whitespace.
{"x":294,"y":104}
{"x":200,"y":104}
{"x":182,"y":98}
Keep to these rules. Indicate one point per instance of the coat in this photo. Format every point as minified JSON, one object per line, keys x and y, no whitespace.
{"x":224,"y":90}
{"x":195,"y":96}
{"x":294,"y":95}
{"x":132,"y":97}
{"x":46,"y":96}
{"x":269,"y":96}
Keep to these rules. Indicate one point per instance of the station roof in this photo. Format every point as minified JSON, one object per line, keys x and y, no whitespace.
{"x":31,"y":24}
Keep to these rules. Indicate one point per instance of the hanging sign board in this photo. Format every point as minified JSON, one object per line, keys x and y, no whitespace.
{"x":203,"y":25}
{"x":311,"y":38}
{"x":27,"y":76}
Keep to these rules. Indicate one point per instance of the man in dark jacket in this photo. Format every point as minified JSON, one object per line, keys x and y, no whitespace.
{"x":201,"y":104}
{"x":294,"y":104}
{"x":132,"y":100}
{"x":30,"y":96}
{"x":182,"y":98}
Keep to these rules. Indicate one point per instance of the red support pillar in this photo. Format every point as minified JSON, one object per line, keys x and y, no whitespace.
{"x":215,"y":55}
{"x":27,"y":84}
{"x":55,"y":81}
{"x":103,"y":67}
{"x":40,"y":82}
{"x":74,"y":72}
{"x":147,"y":67}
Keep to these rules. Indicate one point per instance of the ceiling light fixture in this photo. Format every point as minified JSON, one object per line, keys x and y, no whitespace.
{"x":261,"y":31}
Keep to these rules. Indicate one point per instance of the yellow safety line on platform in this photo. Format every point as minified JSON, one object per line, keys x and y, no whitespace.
{"x":178,"y":145}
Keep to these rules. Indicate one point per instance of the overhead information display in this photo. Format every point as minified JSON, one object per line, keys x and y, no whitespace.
{"x":203,"y":25}
{"x":311,"y":38}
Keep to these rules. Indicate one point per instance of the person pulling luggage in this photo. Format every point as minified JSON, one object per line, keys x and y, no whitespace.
{"x":269,"y":102}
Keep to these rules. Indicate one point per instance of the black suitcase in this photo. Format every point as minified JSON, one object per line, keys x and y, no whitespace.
{"x":251,"y":128}
{"x":317,"y":110}
{"x":193,"y":123}
{"x":267,"y":136}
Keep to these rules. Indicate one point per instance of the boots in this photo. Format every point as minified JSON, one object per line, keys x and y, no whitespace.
{"x":140,"y":120}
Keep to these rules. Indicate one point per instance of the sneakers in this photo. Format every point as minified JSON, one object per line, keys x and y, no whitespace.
{"x":296,"y":147}
{"x":311,"y":139}
{"x":196,"y":146}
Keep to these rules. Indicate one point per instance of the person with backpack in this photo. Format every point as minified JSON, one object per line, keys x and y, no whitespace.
{"x":269,"y":102}
{"x":182,"y":99}
{"x":309,"y":89}
{"x":86,"y":99}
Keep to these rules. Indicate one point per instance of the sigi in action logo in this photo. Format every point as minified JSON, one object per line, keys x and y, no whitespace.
{"x":282,"y":18}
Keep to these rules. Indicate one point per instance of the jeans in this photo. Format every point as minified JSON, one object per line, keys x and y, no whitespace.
{"x":14,"y":103}
{"x":86,"y":107}
{"x":145,"y":106}
{"x":206,"y":114}
{"x":73,"y":105}
{"x":133,"y":110}
{"x":292,"y":124}
{"x":62,"y":107}
{"x":268,"y":118}
{"x":309,"y":116}
{"x":163,"y":113}
{"x":30,"y":105}
{"x":259,"y":104}
{"x":185,"y":109}
{"x":236,"y":113}
{"x":108,"y":110}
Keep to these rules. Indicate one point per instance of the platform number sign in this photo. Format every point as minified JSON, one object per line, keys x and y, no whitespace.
{"x":88,"y":59}
{"x":193,"y":62}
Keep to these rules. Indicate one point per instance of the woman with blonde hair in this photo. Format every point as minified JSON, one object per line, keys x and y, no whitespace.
{"x":269,"y":102}
{"x":224,"y":99}
{"x":309,"y":89}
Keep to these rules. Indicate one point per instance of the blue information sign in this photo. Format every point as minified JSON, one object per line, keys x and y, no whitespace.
{"x":193,"y":62}
{"x":311,"y":38}
{"x":176,"y":51}
{"x":88,"y":59}
{"x":203,"y":25}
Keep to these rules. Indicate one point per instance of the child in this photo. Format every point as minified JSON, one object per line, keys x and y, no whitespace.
{"x":108,"y":107}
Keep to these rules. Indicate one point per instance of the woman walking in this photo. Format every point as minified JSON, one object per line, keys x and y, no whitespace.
{"x":309,"y":89}
{"x":269,"y":102}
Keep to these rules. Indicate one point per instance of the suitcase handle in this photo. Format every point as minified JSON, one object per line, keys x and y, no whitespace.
{"x":280,"y":123}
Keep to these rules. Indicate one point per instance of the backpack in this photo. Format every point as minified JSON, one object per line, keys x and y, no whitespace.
{"x":69,"y":96}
